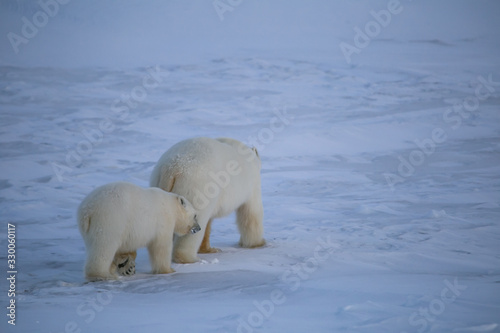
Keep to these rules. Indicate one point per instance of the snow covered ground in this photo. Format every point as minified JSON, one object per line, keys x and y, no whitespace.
{"x":378,"y":126}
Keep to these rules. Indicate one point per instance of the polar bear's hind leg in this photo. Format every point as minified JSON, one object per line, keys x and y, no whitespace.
{"x":99,"y":265}
{"x":249,"y":219}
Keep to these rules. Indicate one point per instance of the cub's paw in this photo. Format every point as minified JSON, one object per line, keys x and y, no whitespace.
{"x":164,"y":271}
{"x":125,"y":265}
{"x":209,"y":250}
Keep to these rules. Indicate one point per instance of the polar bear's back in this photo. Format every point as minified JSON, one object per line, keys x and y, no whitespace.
{"x":188,"y":154}
{"x":104,"y":202}
{"x":195,"y":168}
{"x":195,"y":157}
{"x":118,"y":204}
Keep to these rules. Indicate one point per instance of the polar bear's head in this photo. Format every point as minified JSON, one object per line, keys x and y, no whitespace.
{"x":186,"y":217}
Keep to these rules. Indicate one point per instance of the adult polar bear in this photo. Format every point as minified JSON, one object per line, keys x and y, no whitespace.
{"x":218,"y":176}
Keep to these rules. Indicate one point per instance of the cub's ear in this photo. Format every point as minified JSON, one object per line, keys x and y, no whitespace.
{"x":256,"y":152}
{"x":182,"y":201}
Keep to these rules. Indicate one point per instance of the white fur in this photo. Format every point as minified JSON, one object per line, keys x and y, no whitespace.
{"x":121,"y":217}
{"x":188,"y":169}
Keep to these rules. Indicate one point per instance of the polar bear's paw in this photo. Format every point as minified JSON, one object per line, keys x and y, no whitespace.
{"x":164,"y":271}
{"x":125,"y":265}
{"x":209,"y":250}
{"x":185,"y":258}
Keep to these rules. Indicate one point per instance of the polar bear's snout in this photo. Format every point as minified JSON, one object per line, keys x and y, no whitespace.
{"x":195,"y":229}
{"x":196,"y":226}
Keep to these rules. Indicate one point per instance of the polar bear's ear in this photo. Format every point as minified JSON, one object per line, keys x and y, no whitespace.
{"x":255,"y":151}
{"x":182,"y":201}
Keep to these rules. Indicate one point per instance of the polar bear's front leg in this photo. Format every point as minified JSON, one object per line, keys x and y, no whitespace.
{"x":186,"y":248}
{"x":160,"y":255}
{"x":205,"y":243}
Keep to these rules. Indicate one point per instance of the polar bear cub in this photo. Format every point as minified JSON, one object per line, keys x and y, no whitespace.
{"x":118,"y":218}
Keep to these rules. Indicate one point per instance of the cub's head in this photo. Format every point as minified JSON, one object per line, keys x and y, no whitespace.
{"x":186,"y":222}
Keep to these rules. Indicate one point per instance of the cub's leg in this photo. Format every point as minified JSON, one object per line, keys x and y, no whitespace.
{"x":160,"y":255}
{"x":99,"y":265}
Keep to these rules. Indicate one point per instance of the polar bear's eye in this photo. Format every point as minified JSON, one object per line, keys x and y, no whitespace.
{"x":182,"y":202}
